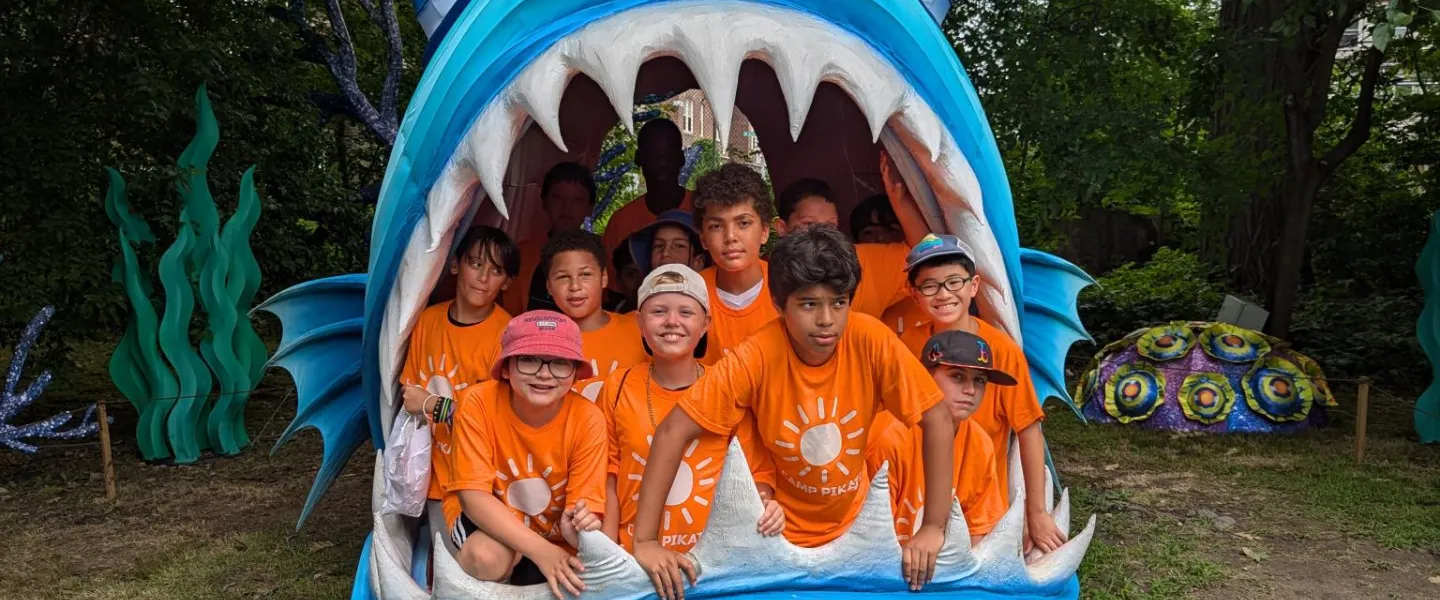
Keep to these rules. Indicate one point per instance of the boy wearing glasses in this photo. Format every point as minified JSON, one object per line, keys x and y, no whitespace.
{"x":574,"y":267}
{"x":530,"y":459}
{"x":943,"y":283}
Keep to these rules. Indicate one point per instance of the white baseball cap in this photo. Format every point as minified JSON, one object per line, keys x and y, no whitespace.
{"x":676,"y":279}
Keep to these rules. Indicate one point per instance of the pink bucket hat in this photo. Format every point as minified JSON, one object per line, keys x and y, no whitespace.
{"x":542,"y":333}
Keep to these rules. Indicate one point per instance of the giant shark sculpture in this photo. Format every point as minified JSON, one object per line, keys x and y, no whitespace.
{"x":878,"y":71}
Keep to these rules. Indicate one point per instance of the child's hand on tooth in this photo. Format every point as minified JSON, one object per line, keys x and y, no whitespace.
{"x":575,"y":520}
{"x":772,"y":520}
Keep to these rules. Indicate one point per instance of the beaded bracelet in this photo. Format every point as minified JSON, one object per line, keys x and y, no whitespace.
{"x":442,"y":411}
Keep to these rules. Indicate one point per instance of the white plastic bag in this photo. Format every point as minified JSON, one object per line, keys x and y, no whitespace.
{"x":407,"y":466}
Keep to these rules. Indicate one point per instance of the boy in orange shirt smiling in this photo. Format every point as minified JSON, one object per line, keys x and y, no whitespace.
{"x":455,"y":342}
{"x":814,"y":380}
{"x":962,"y":365}
{"x":529,"y":460}
{"x":943,"y":283}
{"x":574,"y":264}
{"x":673,"y":314}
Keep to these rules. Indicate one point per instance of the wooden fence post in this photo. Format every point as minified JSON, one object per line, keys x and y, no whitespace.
{"x":1362,"y":415}
{"x":107,"y":465}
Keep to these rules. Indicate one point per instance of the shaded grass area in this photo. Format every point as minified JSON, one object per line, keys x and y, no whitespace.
{"x":1156,"y":494}
{"x":265,"y":564}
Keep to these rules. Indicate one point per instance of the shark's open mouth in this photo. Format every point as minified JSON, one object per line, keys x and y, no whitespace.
{"x":737,"y":53}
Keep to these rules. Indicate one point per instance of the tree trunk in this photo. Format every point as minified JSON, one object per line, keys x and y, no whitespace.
{"x":1288,"y":262}
{"x":1243,"y":220}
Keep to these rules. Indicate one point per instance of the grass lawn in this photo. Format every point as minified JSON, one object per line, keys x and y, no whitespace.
{"x":1180,"y":516}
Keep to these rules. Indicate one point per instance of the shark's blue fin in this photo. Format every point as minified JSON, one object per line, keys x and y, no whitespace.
{"x":1050,"y":320}
{"x":323,"y":322}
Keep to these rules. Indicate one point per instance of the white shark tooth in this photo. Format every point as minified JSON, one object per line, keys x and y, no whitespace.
{"x":920,"y":122}
{"x":377,"y":489}
{"x":1061,"y":514}
{"x":1049,"y":490}
{"x":735,"y":508}
{"x":955,"y":562}
{"x":390,"y":559}
{"x":448,"y":202}
{"x":1064,"y":561}
{"x":1000,"y":550}
{"x":610,"y":571}
{"x":610,"y":53}
{"x":489,"y":145}
{"x":797,"y":83}
{"x":539,"y":91}
{"x":713,"y":46}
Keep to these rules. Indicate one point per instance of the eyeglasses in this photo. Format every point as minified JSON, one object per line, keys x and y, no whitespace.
{"x":954,"y":284}
{"x":560,"y":368}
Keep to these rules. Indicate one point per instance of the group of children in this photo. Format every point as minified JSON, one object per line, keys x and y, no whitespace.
{"x":560,"y":421}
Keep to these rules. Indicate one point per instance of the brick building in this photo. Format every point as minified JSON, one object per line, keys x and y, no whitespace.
{"x":692,"y":113}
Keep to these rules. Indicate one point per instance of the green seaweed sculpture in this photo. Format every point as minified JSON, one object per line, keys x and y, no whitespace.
{"x":1427,"y":407}
{"x":156,"y":366}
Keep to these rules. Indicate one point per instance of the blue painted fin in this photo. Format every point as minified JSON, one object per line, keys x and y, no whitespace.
{"x":1050,"y":320}
{"x":361,"y":589}
{"x":323,"y":324}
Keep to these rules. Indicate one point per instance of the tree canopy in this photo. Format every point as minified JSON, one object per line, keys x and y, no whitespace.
{"x":1278,"y":150}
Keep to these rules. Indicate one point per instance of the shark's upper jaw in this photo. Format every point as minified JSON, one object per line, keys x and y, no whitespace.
{"x":714,"y":40}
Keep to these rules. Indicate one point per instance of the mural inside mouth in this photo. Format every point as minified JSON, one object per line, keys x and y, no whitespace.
{"x":826,"y":85}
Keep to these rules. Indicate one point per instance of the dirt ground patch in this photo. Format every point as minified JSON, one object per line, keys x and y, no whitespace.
{"x":222,"y":528}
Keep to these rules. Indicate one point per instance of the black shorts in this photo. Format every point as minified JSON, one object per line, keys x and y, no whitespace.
{"x":525,"y":572}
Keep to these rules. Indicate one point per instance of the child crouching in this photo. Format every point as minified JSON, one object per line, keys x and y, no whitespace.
{"x":529,"y":460}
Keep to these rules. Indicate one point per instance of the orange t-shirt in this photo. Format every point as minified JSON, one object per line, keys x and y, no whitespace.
{"x":882,"y":278}
{"x":518,"y":296}
{"x":447,"y":357}
{"x":975,"y":483}
{"x":610,"y":348}
{"x":536,"y":471}
{"x":1005,"y":409}
{"x":628,"y":412}
{"x":813,"y":420}
{"x":632,"y":218}
{"x":730,"y":326}
{"x":904,"y":316}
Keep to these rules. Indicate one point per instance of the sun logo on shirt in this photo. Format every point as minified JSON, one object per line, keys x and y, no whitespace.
{"x":916,"y":508}
{"x":532,"y":492}
{"x":438,"y":380}
{"x":591,"y":391}
{"x":684,"y":489}
{"x":822,"y":439}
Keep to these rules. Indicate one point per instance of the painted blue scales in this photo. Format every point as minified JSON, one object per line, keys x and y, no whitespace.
{"x":498,"y":67}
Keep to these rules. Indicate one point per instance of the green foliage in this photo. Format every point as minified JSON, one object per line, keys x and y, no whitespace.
{"x":173,"y":395}
{"x":1173,"y":286}
{"x":120,"y":94}
{"x":1088,"y":104}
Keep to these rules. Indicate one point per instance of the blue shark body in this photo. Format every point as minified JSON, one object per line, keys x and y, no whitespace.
{"x":332,"y":342}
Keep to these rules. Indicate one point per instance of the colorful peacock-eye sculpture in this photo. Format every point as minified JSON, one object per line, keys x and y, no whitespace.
{"x":1212,"y":377}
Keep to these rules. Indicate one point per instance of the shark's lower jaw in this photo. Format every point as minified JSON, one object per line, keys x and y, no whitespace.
{"x":736,"y":561}
{"x":721,"y":44}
